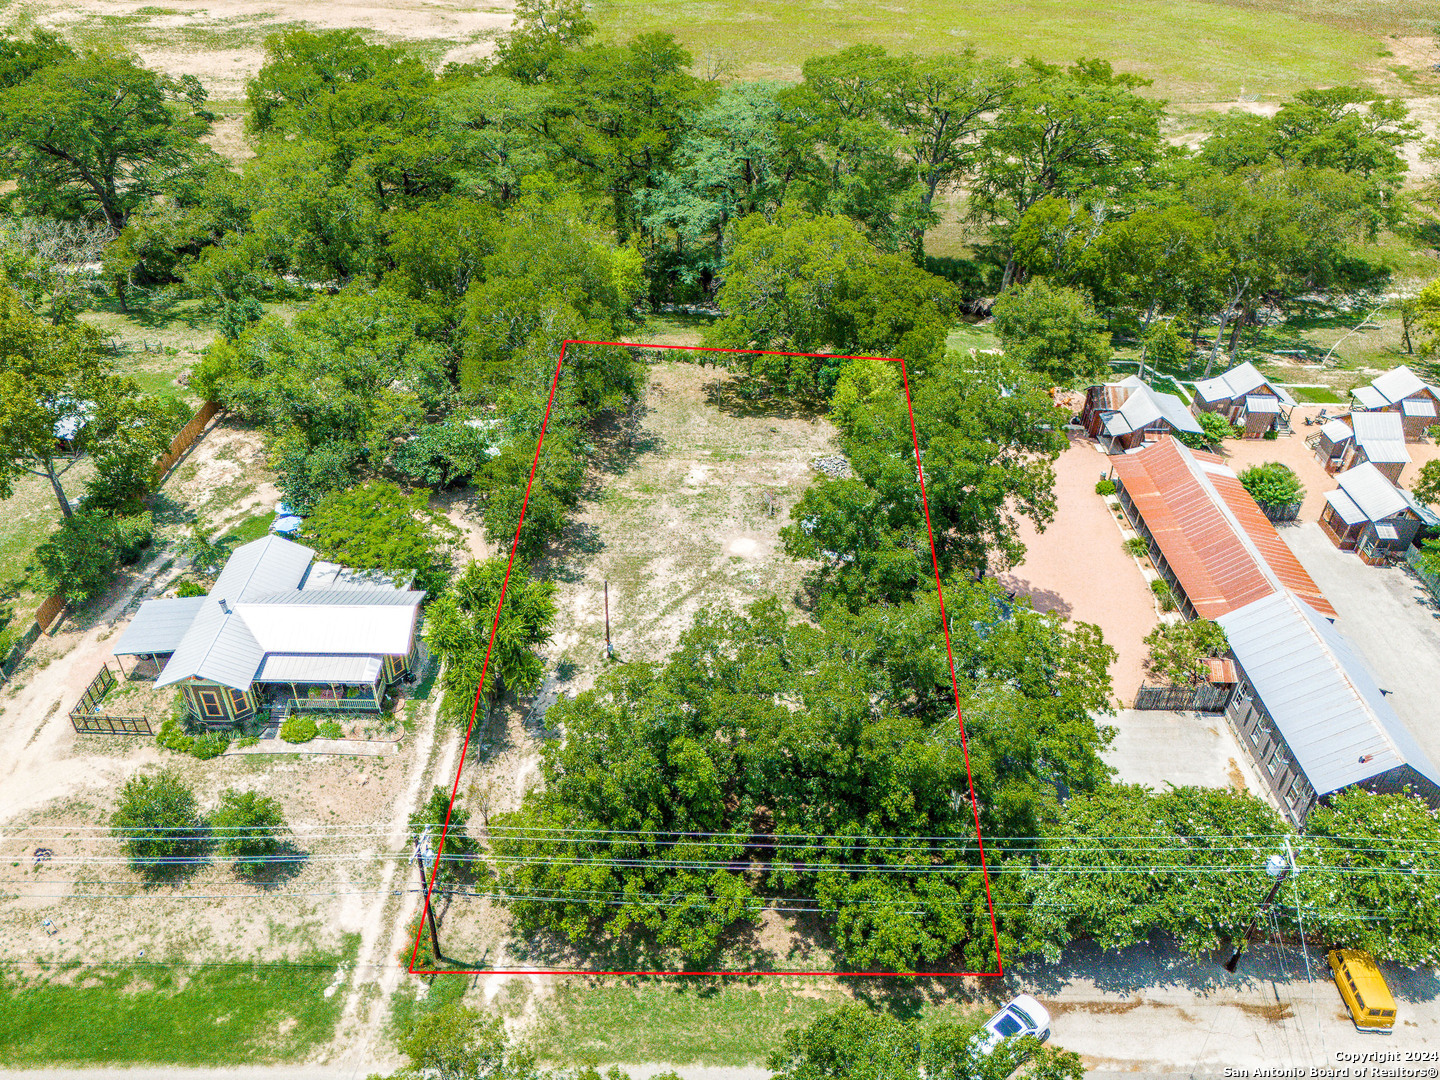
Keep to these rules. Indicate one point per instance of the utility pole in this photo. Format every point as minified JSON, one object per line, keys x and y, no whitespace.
{"x":1278,"y":867}
{"x":609,"y":649}
{"x":423,"y":855}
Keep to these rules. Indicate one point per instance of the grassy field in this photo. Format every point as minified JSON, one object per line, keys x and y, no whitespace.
{"x":726,"y":1023}
{"x":210,"y":1014}
{"x":1194,"y":50}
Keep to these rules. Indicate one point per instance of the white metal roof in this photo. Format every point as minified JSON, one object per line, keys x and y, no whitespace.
{"x":1236,"y":383}
{"x":1144,"y":406}
{"x":319,"y":667}
{"x":159,"y":626}
{"x":1261,"y":403}
{"x":1369,"y":397}
{"x":1381,"y":435}
{"x":257,"y":608}
{"x":1397,"y":384}
{"x":1320,"y":694}
{"x":384,"y":629}
{"x":1372,"y":492}
{"x":1337,"y":431}
{"x":266,"y":565}
{"x":1345,"y":507}
{"x":1418,"y":406}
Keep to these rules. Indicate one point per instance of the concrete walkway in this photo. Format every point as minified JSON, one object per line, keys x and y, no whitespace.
{"x":350,"y":747}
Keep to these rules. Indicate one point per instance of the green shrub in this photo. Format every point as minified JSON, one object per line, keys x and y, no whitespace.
{"x":331,"y":730}
{"x":191,"y":588}
{"x":172,"y":737}
{"x":247,"y":740}
{"x":1272,"y":484}
{"x":1215,"y":427}
{"x":1137,"y":546}
{"x":1272,"y":434}
{"x":1164,"y":594}
{"x":298,"y":729}
{"x":1105,"y":487}
{"x":210,"y":744}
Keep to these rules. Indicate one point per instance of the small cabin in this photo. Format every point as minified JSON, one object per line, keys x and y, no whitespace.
{"x":1246,"y":399}
{"x":1369,"y":515}
{"x":1404,"y":393}
{"x":1128,"y":414}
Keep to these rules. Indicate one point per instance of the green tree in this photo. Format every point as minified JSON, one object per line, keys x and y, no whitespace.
{"x":375,"y":526}
{"x":834,"y":736}
{"x":808,"y":284}
{"x":552,"y":276}
{"x":1215,"y":427}
{"x":1125,"y":862}
{"x":541,"y":33}
{"x":80,"y":558}
{"x":855,"y":1042}
{"x":1427,"y":486}
{"x":96,"y":131}
{"x":248,"y":827}
{"x":60,"y":396}
{"x":458,"y":863}
{"x":1272,"y":484}
{"x":459,"y":624}
{"x":157,"y":822}
{"x":333,"y":390}
{"x":729,"y":163}
{"x":617,"y":114}
{"x":1054,"y":331}
{"x":986,"y":432}
{"x":1081,"y":131}
{"x":1178,"y":650}
{"x":1165,"y":347}
{"x":454,"y":1042}
{"x":1368,"y":870}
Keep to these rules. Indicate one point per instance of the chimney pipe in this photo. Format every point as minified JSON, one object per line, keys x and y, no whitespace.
{"x":224,"y":606}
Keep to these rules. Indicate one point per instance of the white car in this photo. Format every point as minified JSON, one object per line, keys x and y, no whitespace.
{"x":1023,"y":1016}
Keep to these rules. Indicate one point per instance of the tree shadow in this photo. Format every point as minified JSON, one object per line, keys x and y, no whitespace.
{"x":1045,"y":600}
{"x":740,"y":399}
{"x":276,"y":869}
{"x":1159,"y":964}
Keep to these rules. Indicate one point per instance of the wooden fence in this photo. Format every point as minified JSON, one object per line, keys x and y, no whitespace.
{"x":1204,"y":698}
{"x":87,"y":719}
{"x":54,"y":605}
{"x":187,"y":435}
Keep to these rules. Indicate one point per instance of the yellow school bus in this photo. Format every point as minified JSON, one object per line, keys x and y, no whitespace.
{"x":1364,"y":990}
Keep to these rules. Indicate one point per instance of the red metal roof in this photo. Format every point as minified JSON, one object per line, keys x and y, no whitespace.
{"x":1221,"y":548}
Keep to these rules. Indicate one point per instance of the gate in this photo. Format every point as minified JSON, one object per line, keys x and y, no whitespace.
{"x":1204,"y":698}
{"x":87,"y":719}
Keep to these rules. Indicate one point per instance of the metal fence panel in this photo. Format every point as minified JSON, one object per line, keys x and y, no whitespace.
{"x":1205,"y":698}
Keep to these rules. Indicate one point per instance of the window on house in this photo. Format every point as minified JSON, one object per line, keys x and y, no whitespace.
{"x":210,"y":703}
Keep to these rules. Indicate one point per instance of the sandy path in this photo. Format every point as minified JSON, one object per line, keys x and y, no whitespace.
{"x":429,"y":765}
{"x":37,"y":762}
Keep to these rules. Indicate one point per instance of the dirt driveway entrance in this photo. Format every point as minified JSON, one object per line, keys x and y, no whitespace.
{"x":1078,"y":567}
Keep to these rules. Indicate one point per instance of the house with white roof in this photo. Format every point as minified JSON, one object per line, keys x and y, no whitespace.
{"x":1246,"y":398}
{"x":1128,"y":414}
{"x":1360,"y":437}
{"x":1370,"y":515}
{"x":1401,"y":391}
{"x":282,"y":631}
{"x":1309,"y":711}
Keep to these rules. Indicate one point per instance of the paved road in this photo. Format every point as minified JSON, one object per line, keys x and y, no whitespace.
{"x":1149,"y":1011}
{"x":1392,"y":620}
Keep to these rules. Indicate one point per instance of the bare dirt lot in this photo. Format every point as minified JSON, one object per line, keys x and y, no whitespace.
{"x":222,"y":42}
{"x":688,"y":516}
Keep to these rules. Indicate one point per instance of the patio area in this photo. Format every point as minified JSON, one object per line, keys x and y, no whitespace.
{"x":1078,"y":566}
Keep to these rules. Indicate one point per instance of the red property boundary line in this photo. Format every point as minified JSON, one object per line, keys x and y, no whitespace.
{"x":474,"y":708}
